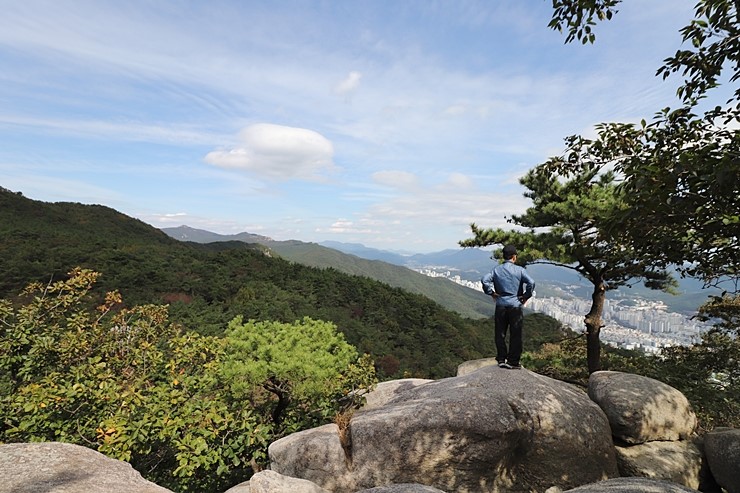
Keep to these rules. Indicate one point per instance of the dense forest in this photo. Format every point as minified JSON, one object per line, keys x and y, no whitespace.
{"x":206,"y":286}
{"x":460,"y":299}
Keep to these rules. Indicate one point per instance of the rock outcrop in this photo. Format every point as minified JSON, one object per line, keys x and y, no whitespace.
{"x":473,"y":365}
{"x":403,"y":488}
{"x":273,"y":482}
{"x":652,"y":424}
{"x":722,"y":448}
{"x":632,"y":485}
{"x":641,"y":409}
{"x":385,"y":392}
{"x":53,"y":467}
{"x":486,"y":430}
{"x":490,"y":430}
{"x":675,"y":461}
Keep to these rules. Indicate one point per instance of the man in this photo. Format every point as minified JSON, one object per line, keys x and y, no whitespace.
{"x":511,"y":287}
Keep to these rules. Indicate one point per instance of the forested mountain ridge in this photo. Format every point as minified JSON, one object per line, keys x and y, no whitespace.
{"x":41,"y":239}
{"x":467,"y":302}
{"x":469,"y":263}
{"x":208,"y":285}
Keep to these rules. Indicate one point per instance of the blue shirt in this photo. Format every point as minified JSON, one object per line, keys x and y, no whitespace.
{"x":509,"y":281}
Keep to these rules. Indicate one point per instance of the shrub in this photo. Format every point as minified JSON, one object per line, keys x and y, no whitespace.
{"x":132,"y":385}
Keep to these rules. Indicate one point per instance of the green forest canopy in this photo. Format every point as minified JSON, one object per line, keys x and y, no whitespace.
{"x":206,"y":286}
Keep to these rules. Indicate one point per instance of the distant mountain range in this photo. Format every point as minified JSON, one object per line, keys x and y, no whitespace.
{"x":472,"y":263}
{"x":469,"y":263}
{"x":465,"y":301}
{"x":186,"y":233}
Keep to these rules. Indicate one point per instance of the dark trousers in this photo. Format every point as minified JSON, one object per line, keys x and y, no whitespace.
{"x":508,"y":318}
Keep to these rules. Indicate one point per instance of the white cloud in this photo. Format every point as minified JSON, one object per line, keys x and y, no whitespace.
{"x":342,"y":223}
{"x":349,"y":84}
{"x":458,"y":200}
{"x":427,"y":215}
{"x":459,"y":180}
{"x":175,"y":217}
{"x":458,"y":109}
{"x":395,"y":179}
{"x":278,"y":152}
{"x":344,"y":226}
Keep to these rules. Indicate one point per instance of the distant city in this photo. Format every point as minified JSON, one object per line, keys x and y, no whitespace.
{"x":631,"y":324}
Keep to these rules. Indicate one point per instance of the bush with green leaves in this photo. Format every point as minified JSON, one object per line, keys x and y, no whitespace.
{"x":132,"y":385}
{"x":295,"y":373}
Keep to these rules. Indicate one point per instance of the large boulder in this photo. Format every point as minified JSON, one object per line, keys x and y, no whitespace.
{"x":53,"y":467}
{"x":492,"y":430}
{"x":722,"y":448}
{"x":473,"y":365}
{"x":384,"y":392}
{"x":678,"y":462}
{"x":632,"y":485}
{"x":641,"y":409}
{"x":403,"y":488}
{"x":273,"y":482}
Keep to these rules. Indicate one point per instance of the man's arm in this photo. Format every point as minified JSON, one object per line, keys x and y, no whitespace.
{"x":488,"y":287}
{"x":529,"y":287}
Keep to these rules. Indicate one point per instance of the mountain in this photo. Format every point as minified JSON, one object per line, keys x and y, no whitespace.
{"x":186,"y":233}
{"x":207,"y":285}
{"x":42,"y":240}
{"x":460,"y":299}
{"x":465,"y":301}
{"x":366,"y":252}
{"x":467,"y":261}
{"x":472,"y":263}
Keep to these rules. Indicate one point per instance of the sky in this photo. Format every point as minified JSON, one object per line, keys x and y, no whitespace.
{"x":390,"y":123}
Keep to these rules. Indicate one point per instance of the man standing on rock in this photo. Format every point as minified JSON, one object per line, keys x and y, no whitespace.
{"x":511,"y":287}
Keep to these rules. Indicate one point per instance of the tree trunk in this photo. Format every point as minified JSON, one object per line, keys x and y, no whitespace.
{"x":276,"y":387}
{"x":593,"y":327}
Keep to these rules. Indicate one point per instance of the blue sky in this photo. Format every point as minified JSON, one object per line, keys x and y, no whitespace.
{"x":389,"y":123}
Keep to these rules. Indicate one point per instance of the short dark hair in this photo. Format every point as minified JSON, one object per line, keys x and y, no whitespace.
{"x":509,"y":251}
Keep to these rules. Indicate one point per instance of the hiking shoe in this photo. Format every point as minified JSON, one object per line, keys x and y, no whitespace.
{"x":504,"y":364}
{"x":514,"y":367}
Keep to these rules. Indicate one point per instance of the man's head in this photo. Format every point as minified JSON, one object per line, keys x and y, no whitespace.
{"x":509,"y":252}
